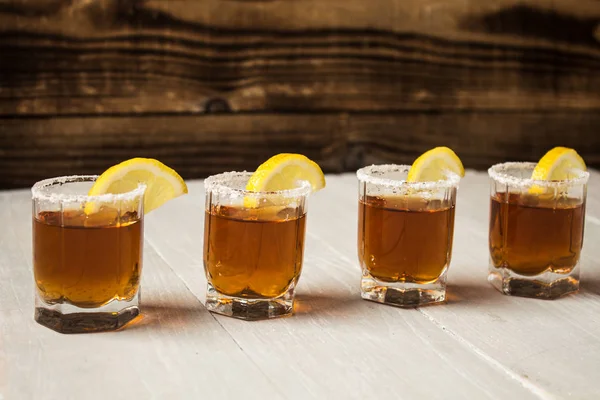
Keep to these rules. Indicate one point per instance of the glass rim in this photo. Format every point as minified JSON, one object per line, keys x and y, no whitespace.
{"x":222,"y":183}
{"x":39,"y":192}
{"x":365,"y":174}
{"x":497,"y":173}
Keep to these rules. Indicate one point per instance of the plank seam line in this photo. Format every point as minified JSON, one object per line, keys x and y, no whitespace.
{"x":164,"y":260}
{"x":159,"y":254}
{"x":341,"y":256}
{"x":215,"y":317}
{"x":560,"y":111}
{"x":534,"y":389}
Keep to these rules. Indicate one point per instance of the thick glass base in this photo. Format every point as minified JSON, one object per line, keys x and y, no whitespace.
{"x":250,"y":309}
{"x":67,"y":318}
{"x":403,"y":294}
{"x":548,"y":285}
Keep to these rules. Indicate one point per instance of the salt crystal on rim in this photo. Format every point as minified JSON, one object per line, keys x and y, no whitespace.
{"x":366,"y":174}
{"x":223,"y":184}
{"x":499,"y":173}
{"x":39,"y":191}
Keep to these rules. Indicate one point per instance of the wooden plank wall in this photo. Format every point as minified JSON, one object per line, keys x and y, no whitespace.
{"x":216,"y":85}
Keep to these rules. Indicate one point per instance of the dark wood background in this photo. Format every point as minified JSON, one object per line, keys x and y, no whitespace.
{"x":213,"y":85}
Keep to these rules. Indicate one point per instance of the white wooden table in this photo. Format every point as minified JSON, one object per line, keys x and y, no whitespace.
{"x":479,"y":345}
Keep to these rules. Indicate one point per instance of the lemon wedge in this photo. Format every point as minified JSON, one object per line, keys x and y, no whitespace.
{"x":162,"y":183}
{"x":433,"y":164}
{"x":284,"y":171}
{"x":558,"y":164}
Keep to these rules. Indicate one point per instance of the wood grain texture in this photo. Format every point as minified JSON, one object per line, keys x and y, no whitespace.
{"x":197,"y":146}
{"x":480,"y":139}
{"x":194,"y":146}
{"x":118,"y":57}
{"x":481,"y":344}
{"x":216,"y":85}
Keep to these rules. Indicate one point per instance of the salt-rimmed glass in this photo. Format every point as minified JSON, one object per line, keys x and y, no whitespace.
{"x":536,"y":231}
{"x":87,"y":255}
{"x":405,"y":232}
{"x":253,"y":247}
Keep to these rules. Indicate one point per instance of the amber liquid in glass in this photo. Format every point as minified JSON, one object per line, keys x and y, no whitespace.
{"x":402,"y":239}
{"x":253,"y":253}
{"x":531,"y":235}
{"x":87,"y":261}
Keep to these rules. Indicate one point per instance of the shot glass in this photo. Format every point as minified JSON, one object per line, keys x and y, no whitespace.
{"x":405,"y":233}
{"x":536,"y":231}
{"x":253,"y":247}
{"x":87,"y":255}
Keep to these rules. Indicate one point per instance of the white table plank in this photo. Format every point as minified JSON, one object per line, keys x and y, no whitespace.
{"x":396,"y":351}
{"x":480,"y":345}
{"x":529,"y":339}
{"x":176,"y":350}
